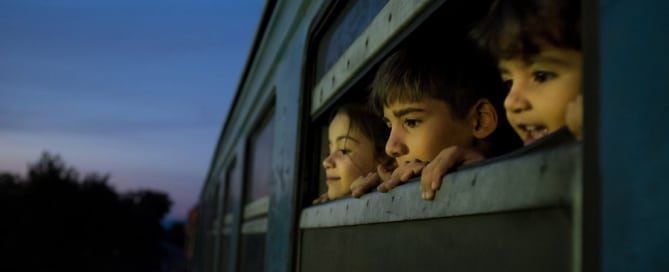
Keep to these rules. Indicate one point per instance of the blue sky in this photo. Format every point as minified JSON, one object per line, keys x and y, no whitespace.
{"x":135,"y":88}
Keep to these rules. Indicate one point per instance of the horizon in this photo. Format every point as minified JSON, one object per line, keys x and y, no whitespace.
{"x":138,"y":90}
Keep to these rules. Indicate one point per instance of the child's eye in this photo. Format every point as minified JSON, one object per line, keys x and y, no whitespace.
{"x":344,"y":151}
{"x":543,"y":76}
{"x":411,"y":123}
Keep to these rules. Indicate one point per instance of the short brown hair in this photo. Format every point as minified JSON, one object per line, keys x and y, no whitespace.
{"x":519,"y":27}
{"x":455,"y":74}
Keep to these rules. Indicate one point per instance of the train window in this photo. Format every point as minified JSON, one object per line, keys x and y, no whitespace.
{"x":260,"y":173}
{"x":211,"y":227}
{"x":393,"y":20}
{"x":254,"y":227}
{"x":230,"y":197}
{"x":343,"y":29}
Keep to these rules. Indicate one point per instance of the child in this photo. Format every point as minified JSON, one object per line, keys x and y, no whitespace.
{"x":356,"y":140}
{"x":433,"y":98}
{"x":538,"y":48}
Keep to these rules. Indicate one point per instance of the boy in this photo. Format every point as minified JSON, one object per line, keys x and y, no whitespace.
{"x":538,"y":48}
{"x":433,"y":98}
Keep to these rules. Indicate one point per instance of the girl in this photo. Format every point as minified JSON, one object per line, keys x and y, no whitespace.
{"x":356,"y":139}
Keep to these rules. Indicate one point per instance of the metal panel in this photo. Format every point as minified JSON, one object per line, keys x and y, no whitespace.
{"x":255,"y":226}
{"x":287,"y":41}
{"x":632,"y":141}
{"x":252,"y":253}
{"x":534,"y":240}
{"x":256,"y":208}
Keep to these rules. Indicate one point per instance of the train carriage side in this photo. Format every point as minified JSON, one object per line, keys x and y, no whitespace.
{"x":545,"y":208}
{"x":516,"y":214}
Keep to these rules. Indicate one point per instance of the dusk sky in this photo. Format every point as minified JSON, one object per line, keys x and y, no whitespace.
{"x":138,"y":89}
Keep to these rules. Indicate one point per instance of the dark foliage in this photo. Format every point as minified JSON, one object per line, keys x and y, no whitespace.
{"x":53,"y":220}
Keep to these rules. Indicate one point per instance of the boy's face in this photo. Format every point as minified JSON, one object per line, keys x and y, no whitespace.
{"x":351,"y":156}
{"x":540,"y":88}
{"x":419,"y":131}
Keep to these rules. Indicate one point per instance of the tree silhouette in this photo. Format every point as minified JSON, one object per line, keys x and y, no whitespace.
{"x":59,"y":221}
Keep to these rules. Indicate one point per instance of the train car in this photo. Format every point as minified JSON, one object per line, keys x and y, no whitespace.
{"x":594,"y":205}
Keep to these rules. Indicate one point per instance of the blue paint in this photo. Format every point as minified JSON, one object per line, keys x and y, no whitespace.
{"x":633,"y":129}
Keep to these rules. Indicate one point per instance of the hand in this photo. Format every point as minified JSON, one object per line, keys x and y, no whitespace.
{"x":446,"y":160}
{"x":321,"y":199}
{"x":574,"y":116}
{"x":385,"y":171}
{"x":401,"y":175}
{"x":363,"y":184}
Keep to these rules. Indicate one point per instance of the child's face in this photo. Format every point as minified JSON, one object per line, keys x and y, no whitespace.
{"x":351,"y":156}
{"x":540,"y":88}
{"x":419,"y":131}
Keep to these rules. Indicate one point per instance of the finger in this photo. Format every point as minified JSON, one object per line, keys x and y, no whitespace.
{"x":413,"y":169}
{"x":384,"y":172}
{"x":392,"y":183}
{"x":382,"y":187}
{"x":357,"y":183}
{"x":445,"y":160}
{"x":428,"y":195}
{"x":387,"y":185}
{"x":426,"y":180}
{"x":364,"y":185}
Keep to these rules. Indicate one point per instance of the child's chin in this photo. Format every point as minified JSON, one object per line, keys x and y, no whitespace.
{"x":336,"y":195}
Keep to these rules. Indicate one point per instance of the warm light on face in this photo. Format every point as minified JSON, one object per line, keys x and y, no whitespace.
{"x":540,"y":89}
{"x":351,"y":156}
{"x":419,"y":131}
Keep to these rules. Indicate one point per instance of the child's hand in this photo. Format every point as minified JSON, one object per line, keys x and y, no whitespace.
{"x":574,"y":116}
{"x":363,"y":184}
{"x":402,"y":174}
{"x":446,"y":160}
{"x":321,"y":199}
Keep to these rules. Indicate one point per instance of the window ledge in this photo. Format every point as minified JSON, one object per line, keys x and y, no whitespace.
{"x":543,"y":179}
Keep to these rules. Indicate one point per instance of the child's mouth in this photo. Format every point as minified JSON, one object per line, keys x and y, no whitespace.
{"x":533,"y":133}
{"x":332,"y":179}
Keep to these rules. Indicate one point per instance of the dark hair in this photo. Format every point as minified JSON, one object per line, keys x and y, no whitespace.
{"x":370,"y":124}
{"x":455,"y":73}
{"x":519,"y":27}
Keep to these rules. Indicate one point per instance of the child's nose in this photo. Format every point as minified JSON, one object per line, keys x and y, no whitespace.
{"x":328,"y":162}
{"x":395,"y":146}
{"x":516,"y":101}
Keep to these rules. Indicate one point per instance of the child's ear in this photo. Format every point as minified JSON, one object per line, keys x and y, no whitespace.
{"x":484,"y":118}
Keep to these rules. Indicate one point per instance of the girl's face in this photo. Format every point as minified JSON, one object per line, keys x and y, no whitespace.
{"x":540,"y":88}
{"x":351,"y":156}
